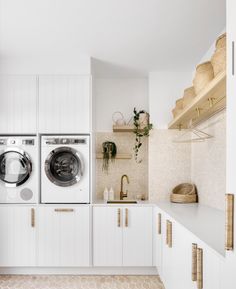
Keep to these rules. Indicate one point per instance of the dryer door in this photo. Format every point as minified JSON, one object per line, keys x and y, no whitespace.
{"x":64,"y":166}
{"x":15,"y":167}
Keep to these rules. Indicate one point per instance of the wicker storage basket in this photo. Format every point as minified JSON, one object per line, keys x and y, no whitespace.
{"x":218,"y":59}
{"x":176,"y":111}
{"x":179,"y":103}
{"x":183,"y":199}
{"x":204,"y":75}
{"x":189,"y":94}
{"x":221,"y":41}
{"x":184,"y":193}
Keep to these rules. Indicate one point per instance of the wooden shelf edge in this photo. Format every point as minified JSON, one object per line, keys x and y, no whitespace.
{"x":123,"y":128}
{"x":118,"y":156}
{"x":216,"y":89}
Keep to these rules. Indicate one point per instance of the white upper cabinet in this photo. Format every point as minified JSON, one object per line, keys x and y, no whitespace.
{"x":18,"y":106}
{"x":64,"y":236}
{"x":64,"y":104}
{"x":18,"y":236}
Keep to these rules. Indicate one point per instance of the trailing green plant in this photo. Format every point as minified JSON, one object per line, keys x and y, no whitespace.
{"x":140,"y":131}
{"x":109,"y":153}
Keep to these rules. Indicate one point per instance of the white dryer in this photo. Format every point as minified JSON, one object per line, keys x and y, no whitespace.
{"x":18,"y":169}
{"x":65,"y":169}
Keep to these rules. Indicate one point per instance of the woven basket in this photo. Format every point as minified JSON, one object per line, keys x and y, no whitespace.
{"x":176,"y":111}
{"x":184,"y":193}
{"x":221,"y":41}
{"x":204,"y":75}
{"x":189,"y":94}
{"x":179,"y":103}
{"x":218,"y":59}
{"x":183,"y":199}
{"x":185,"y":189}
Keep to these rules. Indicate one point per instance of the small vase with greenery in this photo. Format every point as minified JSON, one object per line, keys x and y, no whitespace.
{"x":109,"y":153}
{"x":141,"y":130}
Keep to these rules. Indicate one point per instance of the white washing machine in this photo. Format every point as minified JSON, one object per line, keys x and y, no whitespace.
{"x":18,"y":169}
{"x":65,"y":169}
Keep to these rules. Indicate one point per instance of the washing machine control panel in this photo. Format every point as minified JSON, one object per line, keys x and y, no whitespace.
{"x":18,"y":142}
{"x":3,"y":141}
{"x":65,"y":141}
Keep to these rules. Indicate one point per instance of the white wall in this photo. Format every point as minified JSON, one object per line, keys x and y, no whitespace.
{"x":118,"y":94}
{"x":165,"y":86}
{"x":45,"y":64}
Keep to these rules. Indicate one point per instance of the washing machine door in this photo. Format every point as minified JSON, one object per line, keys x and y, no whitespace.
{"x":15,"y":167}
{"x":64,"y":166}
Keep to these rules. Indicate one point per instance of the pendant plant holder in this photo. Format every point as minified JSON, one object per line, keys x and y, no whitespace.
{"x":109,"y":153}
{"x":141,"y":129}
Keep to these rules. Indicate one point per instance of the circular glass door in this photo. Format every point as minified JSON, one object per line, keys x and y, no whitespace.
{"x":15,"y":167}
{"x":63,"y":167}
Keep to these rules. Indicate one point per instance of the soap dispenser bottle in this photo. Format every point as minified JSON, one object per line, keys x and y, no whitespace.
{"x":111,"y":194}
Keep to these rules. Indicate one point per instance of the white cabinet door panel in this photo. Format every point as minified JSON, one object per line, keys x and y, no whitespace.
{"x":64,"y":236}
{"x":18,"y":109}
{"x":18,"y":237}
{"x":64,"y":104}
{"x":137,"y":236}
{"x":228,"y":278}
{"x":107,"y":236}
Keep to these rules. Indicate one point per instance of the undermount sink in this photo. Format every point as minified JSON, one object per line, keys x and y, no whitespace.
{"x":122,"y":202}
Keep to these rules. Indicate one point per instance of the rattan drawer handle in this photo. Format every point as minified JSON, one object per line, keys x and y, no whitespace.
{"x":126,"y":217}
{"x":118,"y":217}
{"x":32,"y":218}
{"x":159,"y":224}
{"x":194,"y":262}
{"x":169,"y":233}
{"x":64,"y":210}
{"x":199,"y":268}
{"x":229,"y":223}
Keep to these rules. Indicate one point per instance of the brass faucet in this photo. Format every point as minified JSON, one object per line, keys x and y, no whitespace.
{"x":122,"y":194}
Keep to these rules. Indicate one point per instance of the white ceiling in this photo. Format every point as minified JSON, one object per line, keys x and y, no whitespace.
{"x":136,"y":35}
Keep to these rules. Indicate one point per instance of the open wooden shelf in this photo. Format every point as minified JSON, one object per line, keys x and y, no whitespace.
{"x":118,"y":156}
{"x":123,"y":128}
{"x":211,"y":100}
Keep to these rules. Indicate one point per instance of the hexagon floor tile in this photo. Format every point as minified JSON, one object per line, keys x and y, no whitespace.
{"x":79,"y":282}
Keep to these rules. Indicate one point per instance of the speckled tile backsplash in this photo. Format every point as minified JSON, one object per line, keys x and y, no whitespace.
{"x":209,"y":163}
{"x":169,"y":163}
{"x":202,"y":163}
{"x":138,"y":173}
{"x":166,"y":164}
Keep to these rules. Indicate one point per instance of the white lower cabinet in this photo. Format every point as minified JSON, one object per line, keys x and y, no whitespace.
{"x":64,"y":236}
{"x":176,"y":263}
{"x":122,"y":236}
{"x":18,"y":236}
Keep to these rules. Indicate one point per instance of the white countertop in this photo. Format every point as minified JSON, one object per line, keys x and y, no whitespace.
{"x":206,"y":223}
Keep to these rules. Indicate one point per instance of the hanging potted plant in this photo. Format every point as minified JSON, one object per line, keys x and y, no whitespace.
{"x":142,"y":129}
{"x":109,"y":153}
